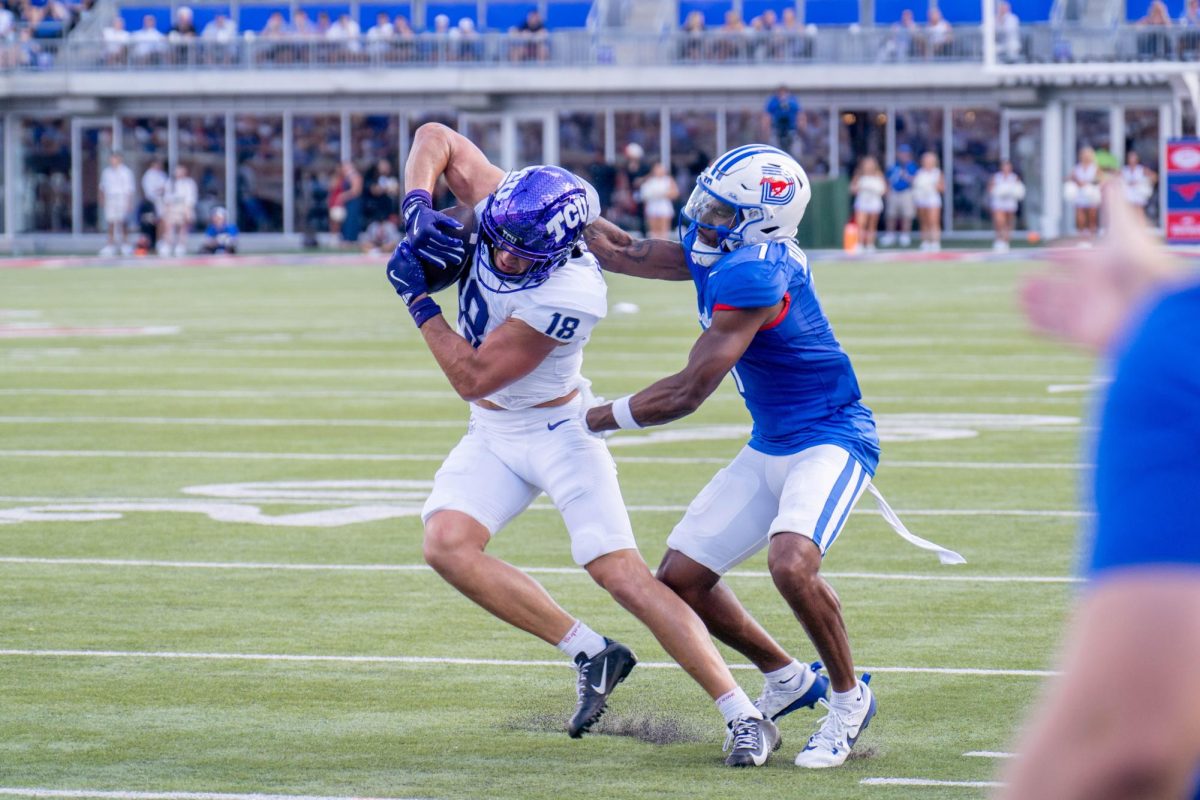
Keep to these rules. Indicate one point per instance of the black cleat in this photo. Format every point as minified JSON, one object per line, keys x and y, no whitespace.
{"x":753,"y":742}
{"x":598,"y":676}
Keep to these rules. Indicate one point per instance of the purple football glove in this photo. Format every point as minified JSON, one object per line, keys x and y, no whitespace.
{"x":405,"y":273}
{"x":427,"y":231}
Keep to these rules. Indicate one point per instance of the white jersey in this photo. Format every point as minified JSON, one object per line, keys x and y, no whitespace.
{"x":117,"y":182}
{"x":871,"y":187}
{"x":1136,"y":183}
{"x":925,"y":188}
{"x":180,"y":195}
{"x":1007,"y":191}
{"x":566,"y":308}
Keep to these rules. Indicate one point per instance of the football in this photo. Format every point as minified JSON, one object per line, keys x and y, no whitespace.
{"x":438,"y":277}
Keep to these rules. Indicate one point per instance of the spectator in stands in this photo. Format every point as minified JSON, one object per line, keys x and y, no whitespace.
{"x":347,"y":33}
{"x":798,"y":41}
{"x":383,"y":192}
{"x":440,"y":36}
{"x":382,"y":235}
{"x":221,"y":237}
{"x":179,"y":212}
{"x":691,"y":47}
{"x":1189,"y":39}
{"x":868,"y":187}
{"x":905,"y":39}
{"x":534,"y":32}
{"x":603,"y":176}
{"x":733,"y":43}
{"x":928,"y":186}
{"x":467,"y":46}
{"x":116,"y":40}
{"x":219,"y":37}
{"x":184,"y":27}
{"x":302,"y":25}
{"x":117,"y":190}
{"x":380,"y":36}
{"x":659,"y":193}
{"x":8,"y":24}
{"x":1005,"y":192}
{"x":1008,"y":33}
{"x":276,"y":30}
{"x":784,"y":118}
{"x":149,"y":43}
{"x":770,"y":35}
{"x":939,"y":36}
{"x":633,"y":172}
{"x":1155,"y":43}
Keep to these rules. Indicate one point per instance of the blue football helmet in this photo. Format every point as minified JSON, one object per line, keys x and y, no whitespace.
{"x":538,"y":214}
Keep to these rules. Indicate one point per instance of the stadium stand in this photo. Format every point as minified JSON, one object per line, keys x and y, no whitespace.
{"x":830,"y":12}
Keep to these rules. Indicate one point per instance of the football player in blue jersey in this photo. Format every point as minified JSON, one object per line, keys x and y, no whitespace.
{"x":813,"y":450}
{"x":1095,"y":735}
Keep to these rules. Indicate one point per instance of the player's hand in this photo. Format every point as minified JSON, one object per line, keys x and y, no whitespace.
{"x":405,"y":274}
{"x":590,"y":401}
{"x":428,"y":230}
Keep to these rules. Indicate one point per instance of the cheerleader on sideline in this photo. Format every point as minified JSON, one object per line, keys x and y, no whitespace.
{"x":928,"y":185}
{"x":1006,"y":191}
{"x":1137,"y":183}
{"x":868,"y":187}
{"x":1082,"y":190}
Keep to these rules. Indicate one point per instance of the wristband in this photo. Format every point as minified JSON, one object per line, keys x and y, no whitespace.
{"x":416,"y":196}
{"x":424,"y":310}
{"x":623,"y":415}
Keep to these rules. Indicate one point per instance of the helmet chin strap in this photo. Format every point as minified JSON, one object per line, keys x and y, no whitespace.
{"x":705,"y":255}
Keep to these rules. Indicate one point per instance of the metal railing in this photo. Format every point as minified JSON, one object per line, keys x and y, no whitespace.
{"x":1039,"y":45}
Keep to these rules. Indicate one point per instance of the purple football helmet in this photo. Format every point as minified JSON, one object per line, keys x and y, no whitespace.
{"x":537,"y":213}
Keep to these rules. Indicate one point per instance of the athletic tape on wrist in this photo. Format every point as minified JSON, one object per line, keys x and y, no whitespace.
{"x":623,"y":415}
{"x":424,"y":310}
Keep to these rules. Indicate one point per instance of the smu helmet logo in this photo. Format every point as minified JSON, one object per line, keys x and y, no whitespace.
{"x":777,"y":188}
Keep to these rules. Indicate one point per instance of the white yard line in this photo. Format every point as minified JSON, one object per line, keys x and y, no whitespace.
{"x":989,"y":754}
{"x":485,"y":662}
{"x":575,"y":571}
{"x":104,"y":794}
{"x":930,"y":782}
{"x":438,"y":457}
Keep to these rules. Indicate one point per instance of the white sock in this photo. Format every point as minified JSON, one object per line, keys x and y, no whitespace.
{"x":788,"y":678}
{"x":735,"y":704}
{"x":581,"y":639}
{"x":848,"y":701}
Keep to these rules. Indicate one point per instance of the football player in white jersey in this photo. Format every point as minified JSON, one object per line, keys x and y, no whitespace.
{"x":529,"y":298}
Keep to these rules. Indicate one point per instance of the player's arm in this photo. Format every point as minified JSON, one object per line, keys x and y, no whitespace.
{"x":509,"y":353}
{"x":438,"y":152}
{"x":619,"y":252}
{"x":1097,"y":734}
{"x":715,"y":353}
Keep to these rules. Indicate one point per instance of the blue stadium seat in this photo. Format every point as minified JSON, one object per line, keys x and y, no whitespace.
{"x":202,"y":15}
{"x":568,"y":14}
{"x":368,"y":11}
{"x":713,"y":10}
{"x":1136,"y":9}
{"x":504,"y":15}
{"x":830,"y":12}
{"x":962,"y":11}
{"x":888,"y":11}
{"x":455,"y":11}
{"x":334,"y":10}
{"x":254,"y":18}
{"x":1033,"y":10}
{"x":133,"y":17}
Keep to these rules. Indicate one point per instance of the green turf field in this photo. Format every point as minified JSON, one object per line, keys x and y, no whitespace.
{"x":154,"y":488}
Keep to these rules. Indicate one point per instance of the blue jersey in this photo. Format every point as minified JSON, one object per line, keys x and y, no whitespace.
{"x":1147,"y":480}
{"x":797,"y":381}
{"x":783,"y":112}
{"x":900,"y":176}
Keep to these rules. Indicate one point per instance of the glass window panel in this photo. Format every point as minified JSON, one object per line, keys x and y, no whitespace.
{"x":1025,"y":150}
{"x":530,"y":149}
{"x":96,"y":145}
{"x":1092,"y":129}
{"x":640,"y":128}
{"x":316,"y":154}
{"x":861,"y":132}
{"x":202,"y":150}
{"x":485,"y":133}
{"x":976,"y":159}
{"x":375,"y":147}
{"x":581,"y":150}
{"x":693,"y":146}
{"x":442,"y":196}
{"x":810,"y":146}
{"x":45,"y":157}
{"x":1141,"y":137}
{"x":259,"y":173}
{"x":921,"y":129}
{"x":142,"y":140}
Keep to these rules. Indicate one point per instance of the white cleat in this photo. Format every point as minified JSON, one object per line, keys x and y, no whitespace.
{"x":805,"y":690}
{"x":830,"y":745}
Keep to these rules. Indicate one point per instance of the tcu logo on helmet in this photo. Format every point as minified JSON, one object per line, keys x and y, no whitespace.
{"x":568,"y":218}
{"x":777,"y":188}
